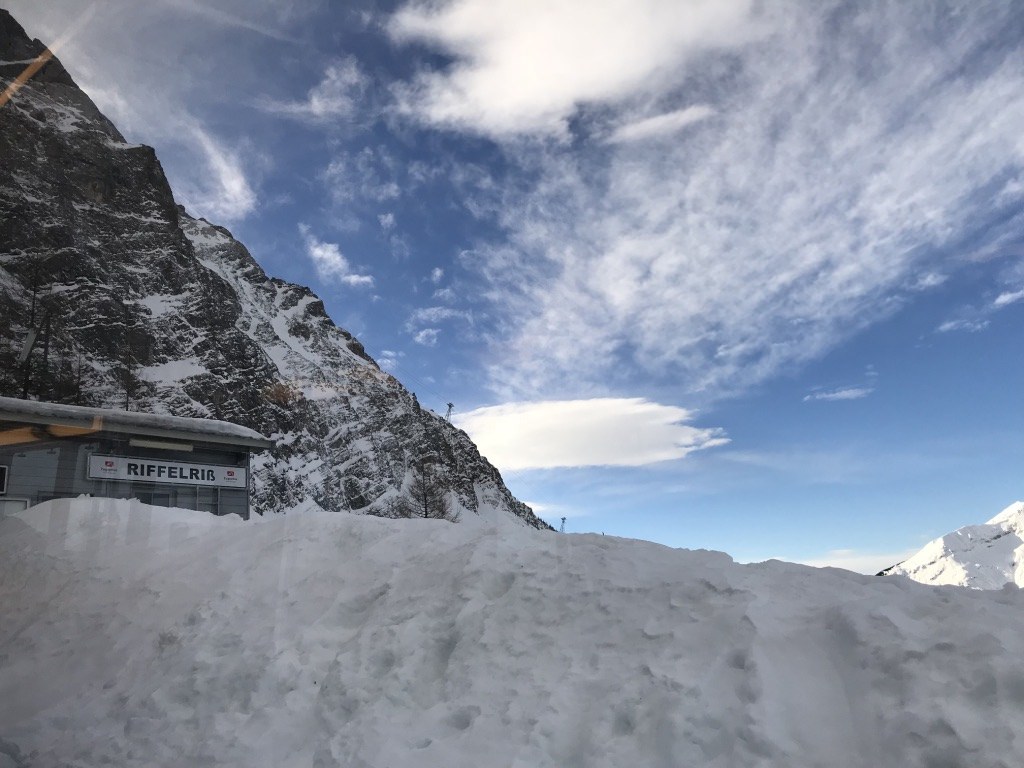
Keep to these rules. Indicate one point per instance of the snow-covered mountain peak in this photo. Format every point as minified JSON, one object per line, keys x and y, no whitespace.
{"x":1013,"y":516}
{"x":986,"y":556}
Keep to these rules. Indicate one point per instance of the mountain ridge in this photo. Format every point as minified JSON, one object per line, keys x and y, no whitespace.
{"x":138,"y":304}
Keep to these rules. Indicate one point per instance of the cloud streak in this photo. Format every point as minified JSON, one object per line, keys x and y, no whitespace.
{"x":1007,"y":298}
{"x":843,"y":393}
{"x":226,"y":18}
{"x":226,"y":193}
{"x":661,"y":125}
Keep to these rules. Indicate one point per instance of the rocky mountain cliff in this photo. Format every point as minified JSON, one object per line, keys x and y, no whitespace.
{"x":133,"y":303}
{"x":986,"y":556}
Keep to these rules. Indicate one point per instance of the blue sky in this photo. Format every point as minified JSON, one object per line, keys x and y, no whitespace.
{"x":726,"y":274}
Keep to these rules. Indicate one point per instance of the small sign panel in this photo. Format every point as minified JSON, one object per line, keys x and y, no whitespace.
{"x":3,"y":479}
{"x":171,"y":472}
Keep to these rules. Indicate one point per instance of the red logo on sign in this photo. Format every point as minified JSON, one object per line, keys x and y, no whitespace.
{"x":108,"y":464}
{"x":230,"y":473}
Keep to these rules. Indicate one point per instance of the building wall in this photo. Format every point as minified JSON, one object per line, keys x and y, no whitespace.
{"x":50,"y":468}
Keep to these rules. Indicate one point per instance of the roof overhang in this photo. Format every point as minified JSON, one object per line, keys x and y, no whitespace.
{"x":65,"y":421}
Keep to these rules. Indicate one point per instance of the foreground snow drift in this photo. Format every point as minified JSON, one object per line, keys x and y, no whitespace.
{"x":142,"y":636}
{"x":986,"y":556}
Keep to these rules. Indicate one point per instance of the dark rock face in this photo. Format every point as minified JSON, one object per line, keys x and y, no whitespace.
{"x":137,"y":303}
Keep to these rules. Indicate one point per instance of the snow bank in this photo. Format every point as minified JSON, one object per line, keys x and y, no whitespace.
{"x":986,"y":556}
{"x":142,"y":636}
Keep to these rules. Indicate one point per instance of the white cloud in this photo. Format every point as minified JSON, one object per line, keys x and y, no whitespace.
{"x":427,"y":337}
{"x":1008,"y":297}
{"x":970,"y":325}
{"x":330,"y":263}
{"x":843,"y":393}
{"x":387,"y":221}
{"x":661,"y":125}
{"x":861,"y":562}
{"x":436,"y":274}
{"x":581,"y":433}
{"x":524,"y":66}
{"x":334,"y":97}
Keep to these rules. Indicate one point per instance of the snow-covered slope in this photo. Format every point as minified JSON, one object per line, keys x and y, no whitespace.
{"x":984,"y":556}
{"x":138,"y":636}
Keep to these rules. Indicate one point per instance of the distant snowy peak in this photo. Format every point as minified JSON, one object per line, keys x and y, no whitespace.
{"x":987,"y":556}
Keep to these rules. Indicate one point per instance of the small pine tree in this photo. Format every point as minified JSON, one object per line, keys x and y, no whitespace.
{"x":428,"y":496}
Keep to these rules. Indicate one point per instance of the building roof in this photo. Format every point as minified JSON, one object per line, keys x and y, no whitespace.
{"x":130,"y":423}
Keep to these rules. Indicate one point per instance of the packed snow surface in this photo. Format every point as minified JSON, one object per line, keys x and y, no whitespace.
{"x":986,"y":556}
{"x":142,"y":636}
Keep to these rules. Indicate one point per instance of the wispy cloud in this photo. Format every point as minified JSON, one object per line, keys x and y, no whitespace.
{"x":226,"y":194}
{"x":928,"y":280}
{"x":427,"y":337}
{"x":334,"y":97}
{"x":845,"y":168}
{"x":973,"y":318}
{"x":661,"y":125}
{"x":446,"y":295}
{"x":330,"y":263}
{"x":369,"y":174}
{"x":582,"y":433}
{"x":422,"y":323}
{"x":433,"y":315}
{"x":967,"y":324}
{"x":846,"y":393}
{"x":1007,"y":298}
{"x":237,"y":20}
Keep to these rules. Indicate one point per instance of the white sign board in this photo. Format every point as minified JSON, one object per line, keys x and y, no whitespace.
{"x":171,"y":472}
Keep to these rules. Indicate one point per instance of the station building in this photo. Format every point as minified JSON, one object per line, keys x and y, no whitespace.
{"x":50,"y":451}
